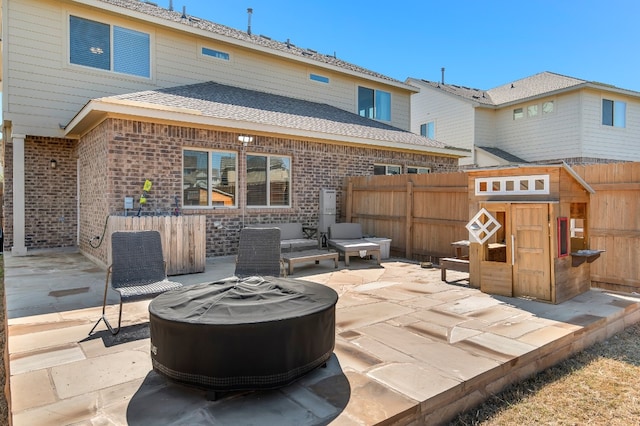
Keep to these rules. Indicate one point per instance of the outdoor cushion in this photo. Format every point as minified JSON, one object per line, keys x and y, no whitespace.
{"x":345,"y":231}
{"x":291,"y":236}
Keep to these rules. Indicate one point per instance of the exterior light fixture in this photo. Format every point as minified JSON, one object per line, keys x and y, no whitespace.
{"x":245,"y":139}
{"x":53,"y":164}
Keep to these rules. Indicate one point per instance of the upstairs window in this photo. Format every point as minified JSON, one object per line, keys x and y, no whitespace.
{"x":319,"y":78}
{"x":215,"y":53}
{"x":428,"y":130}
{"x":613,"y":113}
{"x":374,"y":104}
{"x":518,"y":113}
{"x":110,"y":48}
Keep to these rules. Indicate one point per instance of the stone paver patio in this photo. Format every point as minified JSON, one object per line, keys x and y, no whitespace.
{"x":410,"y":349}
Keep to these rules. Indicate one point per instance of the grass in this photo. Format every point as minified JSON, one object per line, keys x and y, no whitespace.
{"x":599,"y":386}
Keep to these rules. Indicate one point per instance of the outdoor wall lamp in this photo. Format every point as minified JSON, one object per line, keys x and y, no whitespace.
{"x":53,"y":164}
{"x":245,"y":139}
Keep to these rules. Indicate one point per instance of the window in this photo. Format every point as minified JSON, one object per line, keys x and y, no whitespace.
{"x":513,"y":185}
{"x":547,"y":107}
{"x":532,"y":110}
{"x":385,"y":169}
{"x":613,"y":113}
{"x":215,"y":53}
{"x":319,"y":78}
{"x":418,"y":170}
{"x":374,"y":104}
{"x":111,"y":48}
{"x":563,"y":237}
{"x":428,"y":130}
{"x":518,"y":113}
{"x":209,"y":178}
{"x":268,"y":181}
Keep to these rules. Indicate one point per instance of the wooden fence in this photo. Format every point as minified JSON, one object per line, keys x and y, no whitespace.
{"x":614,"y":223}
{"x":183,"y":239}
{"x":424,"y":214}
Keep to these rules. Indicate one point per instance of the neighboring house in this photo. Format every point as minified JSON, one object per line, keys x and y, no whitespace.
{"x":542,"y":118}
{"x":100,"y":95}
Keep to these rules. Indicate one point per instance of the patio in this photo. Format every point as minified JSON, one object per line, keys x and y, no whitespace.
{"x":410,"y":349}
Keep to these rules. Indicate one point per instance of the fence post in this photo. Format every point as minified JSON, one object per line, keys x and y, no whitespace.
{"x":349,"y":200}
{"x":409,"y":222}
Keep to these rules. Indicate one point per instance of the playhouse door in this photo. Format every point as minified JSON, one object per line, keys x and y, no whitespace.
{"x":531,"y":250}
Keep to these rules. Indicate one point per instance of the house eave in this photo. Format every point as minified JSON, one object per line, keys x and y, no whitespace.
{"x":98,"y":110}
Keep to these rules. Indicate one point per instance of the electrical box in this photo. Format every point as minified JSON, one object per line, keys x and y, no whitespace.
{"x":328,"y":201}
{"x":128,"y":203}
{"x":327,"y":214}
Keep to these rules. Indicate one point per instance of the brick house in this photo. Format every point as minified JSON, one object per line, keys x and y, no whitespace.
{"x":100,"y":95}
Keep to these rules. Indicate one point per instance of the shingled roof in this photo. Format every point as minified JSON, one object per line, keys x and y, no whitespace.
{"x":525,"y":88}
{"x":244,"y":108}
{"x":221,"y":30}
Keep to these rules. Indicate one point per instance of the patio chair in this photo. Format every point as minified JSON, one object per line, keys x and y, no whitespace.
{"x":137,"y":270}
{"x":259,"y":253}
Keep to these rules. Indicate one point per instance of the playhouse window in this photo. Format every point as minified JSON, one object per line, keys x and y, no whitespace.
{"x":563,"y":237}
{"x":577,"y":227}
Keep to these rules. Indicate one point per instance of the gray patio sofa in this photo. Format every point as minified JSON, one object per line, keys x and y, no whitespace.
{"x":292,"y":236}
{"x":347,"y":239}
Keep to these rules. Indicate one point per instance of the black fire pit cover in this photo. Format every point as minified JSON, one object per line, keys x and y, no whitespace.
{"x":242,"y":334}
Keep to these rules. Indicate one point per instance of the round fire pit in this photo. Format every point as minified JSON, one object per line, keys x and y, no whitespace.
{"x":256,"y":333}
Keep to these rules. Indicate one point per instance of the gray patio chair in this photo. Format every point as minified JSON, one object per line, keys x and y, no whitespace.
{"x":258,"y":253}
{"x":137,"y":270}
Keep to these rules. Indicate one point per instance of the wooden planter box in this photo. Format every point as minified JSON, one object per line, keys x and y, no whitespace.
{"x":183,"y":239}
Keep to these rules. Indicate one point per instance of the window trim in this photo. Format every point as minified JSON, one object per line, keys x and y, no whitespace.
{"x":374,"y":107}
{"x":210,"y":205}
{"x":202,"y":47}
{"x":615,"y":104}
{"x":386,"y":169}
{"x":429,"y":124}
{"x":319,"y":78}
{"x":418,"y":168}
{"x":268,"y":183}
{"x":112,"y":49}
{"x":518,"y":113}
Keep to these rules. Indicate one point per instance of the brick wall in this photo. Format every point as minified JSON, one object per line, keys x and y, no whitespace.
{"x":50,"y":193}
{"x":117,"y":156}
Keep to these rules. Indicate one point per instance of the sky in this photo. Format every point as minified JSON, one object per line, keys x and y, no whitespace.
{"x":480,"y":43}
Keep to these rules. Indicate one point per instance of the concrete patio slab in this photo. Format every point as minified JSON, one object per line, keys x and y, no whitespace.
{"x":410,"y":349}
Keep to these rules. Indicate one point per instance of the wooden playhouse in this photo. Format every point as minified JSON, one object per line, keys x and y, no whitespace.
{"x":528,"y":232}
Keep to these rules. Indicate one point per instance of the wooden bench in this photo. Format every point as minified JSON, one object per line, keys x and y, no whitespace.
{"x":455,"y":264}
{"x":295,"y":257}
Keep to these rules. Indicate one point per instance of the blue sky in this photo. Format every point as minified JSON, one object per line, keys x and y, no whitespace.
{"x":481,"y":44}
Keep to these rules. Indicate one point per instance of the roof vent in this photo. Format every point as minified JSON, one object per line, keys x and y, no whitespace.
{"x":184,"y":12}
{"x":171,"y":5}
{"x":249,"y":12}
{"x":442,"y":71}
{"x":512,"y":86}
